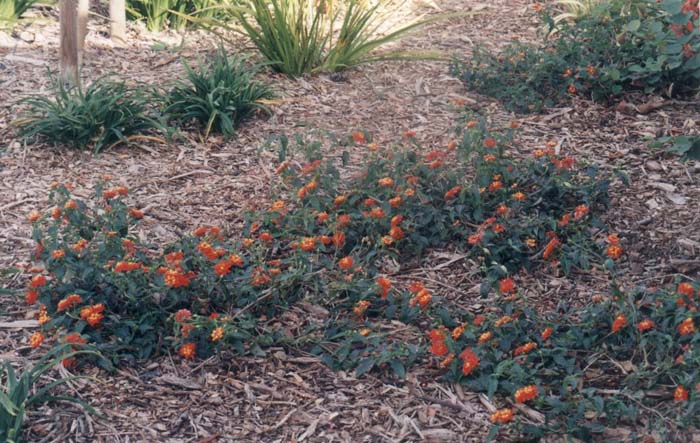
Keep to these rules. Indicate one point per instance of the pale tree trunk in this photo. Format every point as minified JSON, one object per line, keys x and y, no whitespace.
{"x":83,"y":7}
{"x":117,"y":19}
{"x":68,"y":56}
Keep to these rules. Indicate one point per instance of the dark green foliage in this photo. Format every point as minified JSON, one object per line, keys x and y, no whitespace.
{"x":219,"y":95}
{"x":103,"y":115}
{"x":649,"y":48}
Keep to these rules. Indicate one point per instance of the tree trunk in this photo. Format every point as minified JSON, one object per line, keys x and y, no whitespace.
{"x":117,"y":19}
{"x":68,"y":52}
{"x":83,"y":7}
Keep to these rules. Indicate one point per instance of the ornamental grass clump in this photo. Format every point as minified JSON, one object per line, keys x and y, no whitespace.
{"x":219,"y":95}
{"x":299,"y":36}
{"x":20,"y":391}
{"x":101,"y":116}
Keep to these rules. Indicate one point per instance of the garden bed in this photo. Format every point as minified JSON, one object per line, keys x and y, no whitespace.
{"x":281,"y":396}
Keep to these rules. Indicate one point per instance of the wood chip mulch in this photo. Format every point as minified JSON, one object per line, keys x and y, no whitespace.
{"x":295,"y":398}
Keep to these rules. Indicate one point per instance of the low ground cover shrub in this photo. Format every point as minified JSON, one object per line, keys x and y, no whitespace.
{"x":218,"y":95}
{"x":686,"y":146}
{"x":651,"y":47}
{"x":104,"y":114}
{"x":326,"y":240}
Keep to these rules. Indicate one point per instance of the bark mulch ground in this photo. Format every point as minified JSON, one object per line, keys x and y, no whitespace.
{"x":294,"y":398}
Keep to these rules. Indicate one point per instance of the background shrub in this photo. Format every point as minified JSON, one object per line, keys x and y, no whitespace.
{"x":159,"y":14}
{"x":649,"y":46}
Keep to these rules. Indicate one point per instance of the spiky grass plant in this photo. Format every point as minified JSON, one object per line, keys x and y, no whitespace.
{"x":18,"y":391}
{"x":218,"y":95}
{"x":12,"y":10}
{"x":306,"y":36}
{"x":104,"y":114}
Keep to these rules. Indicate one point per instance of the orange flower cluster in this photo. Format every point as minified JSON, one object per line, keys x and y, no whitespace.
{"x":36,"y":339}
{"x":548,"y":331}
{"x":304,"y":190}
{"x":174,"y":278}
{"x":614,"y":251}
{"x":346,"y":263}
{"x":553,"y":244}
{"x":422,"y":295}
{"x":322,"y":217}
{"x":308,"y":244}
{"x":79,"y":245}
{"x":187,"y":351}
{"x":525,"y":349}
{"x":506,"y":286}
{"x":217,"y":334}
{"x":384,"y":286}
{"x":645,"y":325}
{"x":469,"y":361}
{"x":74,"y":339}
{"x":680,"y":394}
{"x":475,"y":239}
{"x":519,"y":196}
{"x":310,"y":167}
{"x":458,"y":331}
{"x":31,"y":296}
{"x":359,"y":138}
{"x":58,"y":254}
{"x":361,"y":307}
{"x":114,"y":192}
{"x":386,"y":182}
{"x":93,"y":314}
{"x":686,"y":327}
{"x":126,"y":266}
{"x":136,"y":213}
{"x":259,"y":277}
{"x":211,"y":231}
{"x":619,"y":323}
{"x":43,"y":316}
{"x":38,"y":281}
{"x":503,"y":320}
{"x":209,"y":252}
{"x":486,"y":336}
{"x":69,"y":302}
{"x":452,"y":193}
{"x":686,"y":289}
{"x":526,"y":394}
{"x":502,"y":416}
{"x":438,"y":347}
{"x":580,"y":212}
{"x":183,"y":315}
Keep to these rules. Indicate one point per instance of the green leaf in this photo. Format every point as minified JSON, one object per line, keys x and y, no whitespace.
{"x":398,"y":368}
{"x":365,"y":366}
